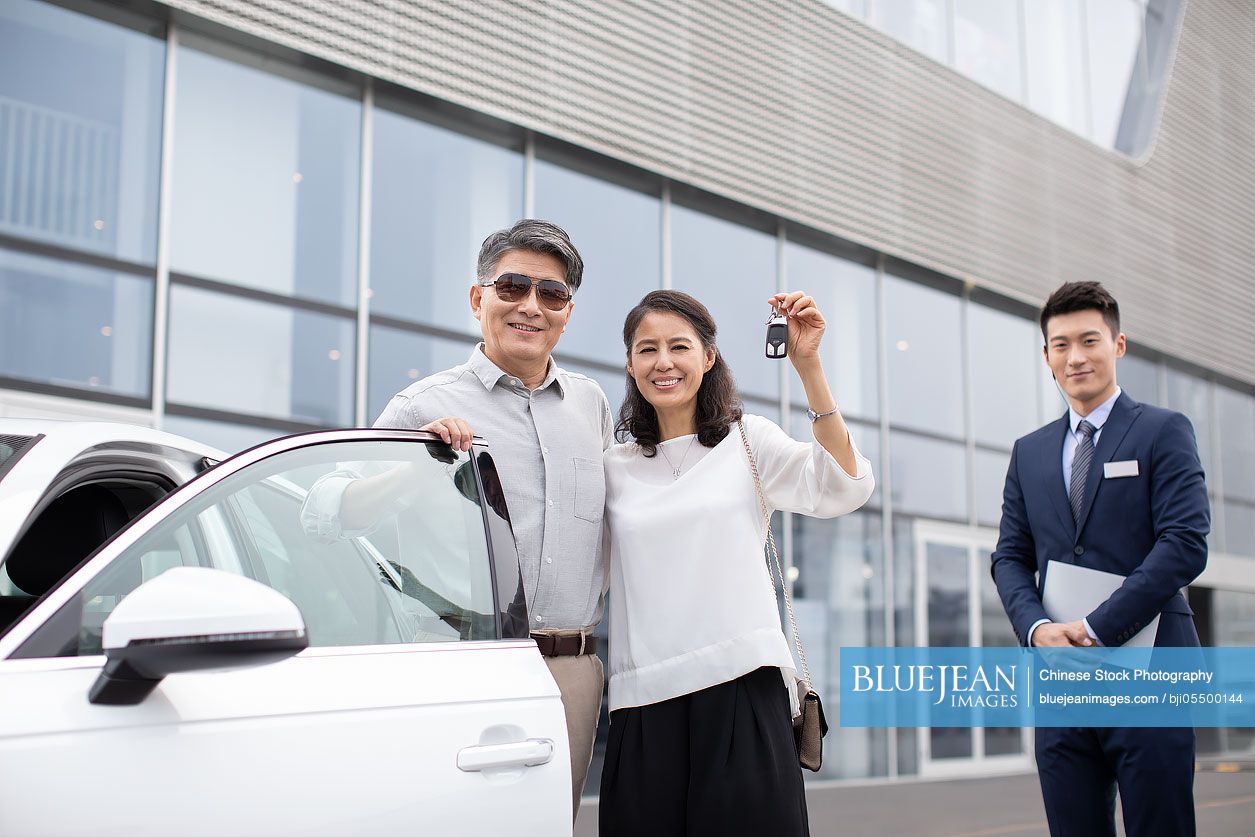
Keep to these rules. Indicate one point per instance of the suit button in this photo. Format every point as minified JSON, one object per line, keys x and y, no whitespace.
{"x":1080,"y":550}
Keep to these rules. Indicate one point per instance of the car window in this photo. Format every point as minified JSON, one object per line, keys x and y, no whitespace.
{"x":376,"y":542}
{"x":11,"y":449}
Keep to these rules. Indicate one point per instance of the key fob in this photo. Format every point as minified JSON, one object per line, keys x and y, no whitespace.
{"x":777,"y":337}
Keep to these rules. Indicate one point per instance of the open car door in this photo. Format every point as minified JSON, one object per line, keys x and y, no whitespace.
{"x":420,"y":703}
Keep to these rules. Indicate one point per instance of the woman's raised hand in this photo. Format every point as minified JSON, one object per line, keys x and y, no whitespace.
{"x":806,"y":324}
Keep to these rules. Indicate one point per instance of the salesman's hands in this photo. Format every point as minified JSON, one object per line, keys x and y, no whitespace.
{"x":806,"y":325}
{"x":1062,"y":635}
{"x":455,"y":432}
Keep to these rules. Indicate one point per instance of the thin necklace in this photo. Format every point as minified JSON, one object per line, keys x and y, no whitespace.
{"x":675,"y":469}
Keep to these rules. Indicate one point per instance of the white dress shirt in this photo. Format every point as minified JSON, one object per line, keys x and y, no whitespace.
{"x":691,"y":601}
{"x":1097,"y":417}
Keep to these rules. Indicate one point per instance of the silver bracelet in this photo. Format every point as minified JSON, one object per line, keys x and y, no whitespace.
{"x":814,"y":416}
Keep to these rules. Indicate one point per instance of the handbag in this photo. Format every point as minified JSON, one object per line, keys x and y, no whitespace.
{"x":810,"y":726}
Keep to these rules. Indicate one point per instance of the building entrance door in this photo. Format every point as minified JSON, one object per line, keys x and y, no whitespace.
{"x":956,"y":604}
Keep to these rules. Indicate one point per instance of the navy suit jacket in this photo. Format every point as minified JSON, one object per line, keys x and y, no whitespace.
{"x":1151,"y":528}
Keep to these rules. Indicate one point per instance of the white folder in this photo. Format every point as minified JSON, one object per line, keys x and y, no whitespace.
{"x":1073,"y":592}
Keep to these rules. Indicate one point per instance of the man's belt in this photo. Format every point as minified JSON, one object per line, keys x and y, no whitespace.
{"x":565,"y":645}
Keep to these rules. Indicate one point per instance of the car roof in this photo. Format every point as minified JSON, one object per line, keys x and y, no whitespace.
{"x":26,"y":478}
{"x":80,"y":435}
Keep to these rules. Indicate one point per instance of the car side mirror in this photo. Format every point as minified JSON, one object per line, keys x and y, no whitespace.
{"x":192,"y":619}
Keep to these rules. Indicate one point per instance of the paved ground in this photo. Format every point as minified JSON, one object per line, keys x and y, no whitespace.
{"x":1006,"y":805}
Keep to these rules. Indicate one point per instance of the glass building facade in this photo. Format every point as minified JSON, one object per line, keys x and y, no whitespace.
{"x":235,"y":246}
{"x":1095,"y":67}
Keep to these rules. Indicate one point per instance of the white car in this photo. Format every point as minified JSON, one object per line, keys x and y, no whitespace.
{"x":195,"y":647}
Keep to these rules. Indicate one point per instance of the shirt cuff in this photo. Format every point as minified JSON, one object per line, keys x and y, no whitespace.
{"x":1091,"y":633}
{"x":1028,"y":640}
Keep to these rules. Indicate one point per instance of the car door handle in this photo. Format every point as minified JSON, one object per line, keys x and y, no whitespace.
{"x":527,"y":753}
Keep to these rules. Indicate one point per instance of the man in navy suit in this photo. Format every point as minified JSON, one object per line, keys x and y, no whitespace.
{"x":1112,"y":485}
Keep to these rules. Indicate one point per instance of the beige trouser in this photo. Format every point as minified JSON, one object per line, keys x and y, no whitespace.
{"x":580,"y":680}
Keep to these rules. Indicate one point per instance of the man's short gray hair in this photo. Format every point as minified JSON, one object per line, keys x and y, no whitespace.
{"x":536,"y":236}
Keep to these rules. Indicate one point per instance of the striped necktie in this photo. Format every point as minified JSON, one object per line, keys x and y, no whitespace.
{"x":1081,"y":460}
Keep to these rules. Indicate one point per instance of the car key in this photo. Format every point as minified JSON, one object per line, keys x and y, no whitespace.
{"x":777,"y":335}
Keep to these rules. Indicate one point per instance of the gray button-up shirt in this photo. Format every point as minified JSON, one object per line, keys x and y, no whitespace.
{"x":547,"y":444}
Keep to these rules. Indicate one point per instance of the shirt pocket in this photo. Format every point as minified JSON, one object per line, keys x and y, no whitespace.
{"x":590,"y":489}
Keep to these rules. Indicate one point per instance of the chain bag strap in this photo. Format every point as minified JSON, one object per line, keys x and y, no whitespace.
{"x":809,"y":727}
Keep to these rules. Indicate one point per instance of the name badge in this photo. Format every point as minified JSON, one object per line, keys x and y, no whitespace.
{"x":1112,"y":470}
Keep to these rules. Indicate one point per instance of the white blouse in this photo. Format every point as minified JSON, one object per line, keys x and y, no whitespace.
{"x":691,"y":601}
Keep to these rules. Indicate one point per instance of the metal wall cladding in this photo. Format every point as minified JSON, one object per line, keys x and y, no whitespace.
{"x":791,"y":107}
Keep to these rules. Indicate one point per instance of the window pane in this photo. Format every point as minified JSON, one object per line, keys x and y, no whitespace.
{"x":226,"y":436}
{"x":399,"y":358}
{"x":1114,"y":39}
{"x":925,"y":358}
{"x":996,"y":631}
{"x":1239,"y":528}
{"x":80,"y":131}
{"x":435,"y":196}
{"x":948,"y":614}
{"x":73,"y":325}
{"x":1192,"y":396}
{"x":1142,"y":107}
{"x":260,"y":359}
{"x":1236,"y":411}
{"x":948,"y":627}
{"x":846,"y":293}
{"x":838,"y":597}
{"x":619,"y":234}
{"x":732,"y":270}
{"x":1055,"y":43}
{"x":929,"y":477}
{"x":1231,"y":622}
{"x":840,"y":563}
{"x":995,"y":628}
{"x":1139,"y":378}
{"x":1005,"y":357}
{"x":904,"y":582}
{"x":987,"y":44}
{"x":420,"y":574}
{"x":991,"y":478}
{"x":920,"y":24}
{"x":265,"y":183}
{"x":1233,"y":618}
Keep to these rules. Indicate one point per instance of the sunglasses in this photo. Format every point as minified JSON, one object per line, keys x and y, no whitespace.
{"x":514,"y":287}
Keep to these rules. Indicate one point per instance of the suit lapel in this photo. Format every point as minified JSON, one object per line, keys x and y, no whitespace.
{"x":1052,"y":469}
{"x":1123,"y":413}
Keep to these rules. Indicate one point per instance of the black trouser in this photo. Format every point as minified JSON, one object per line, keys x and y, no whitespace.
{"x":1079,"y":769}
{"x":721,"y":761}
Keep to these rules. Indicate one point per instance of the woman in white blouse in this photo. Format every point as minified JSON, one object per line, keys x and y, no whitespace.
{"x":701,"y":740}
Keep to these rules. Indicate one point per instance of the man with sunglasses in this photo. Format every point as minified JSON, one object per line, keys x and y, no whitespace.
{"x":547,"y":428}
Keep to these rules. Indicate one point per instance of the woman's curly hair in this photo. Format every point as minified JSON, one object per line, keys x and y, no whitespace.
{"x":718,"y":404}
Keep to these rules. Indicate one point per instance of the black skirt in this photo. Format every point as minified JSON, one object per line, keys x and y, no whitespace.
{"x":721,"y":761}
